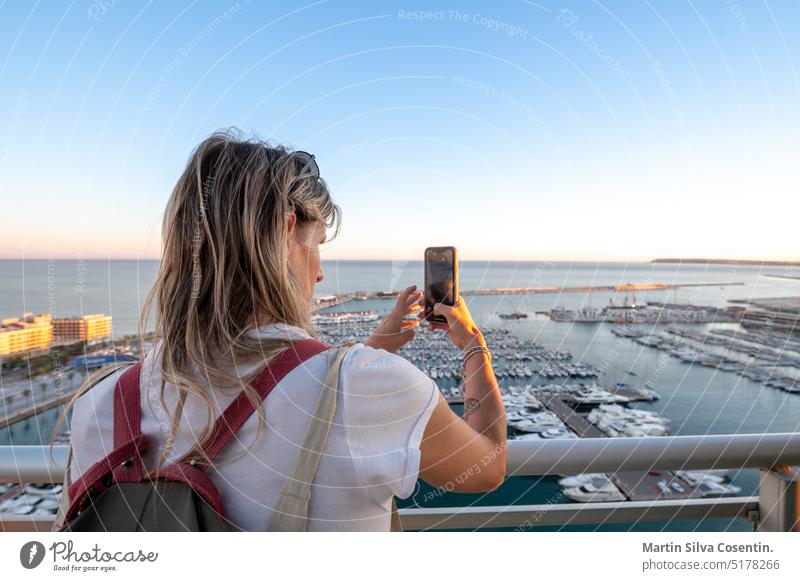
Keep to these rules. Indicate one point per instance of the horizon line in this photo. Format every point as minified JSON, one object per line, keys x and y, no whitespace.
{"x":667,"y":260}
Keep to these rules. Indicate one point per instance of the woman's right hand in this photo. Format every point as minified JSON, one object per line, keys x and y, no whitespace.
{"x":460,"y":327}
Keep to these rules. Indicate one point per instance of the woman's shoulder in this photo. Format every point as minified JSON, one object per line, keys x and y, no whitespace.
{"x":99,"y":392}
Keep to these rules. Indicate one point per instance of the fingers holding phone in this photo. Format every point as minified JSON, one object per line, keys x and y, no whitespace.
{"x":459,"y":325}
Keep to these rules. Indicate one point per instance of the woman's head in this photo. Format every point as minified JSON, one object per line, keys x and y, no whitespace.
{"x":238,"y":226}
{"x":240,"y":237}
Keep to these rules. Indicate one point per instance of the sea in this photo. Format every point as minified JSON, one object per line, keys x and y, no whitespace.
{"x":697,"y":399}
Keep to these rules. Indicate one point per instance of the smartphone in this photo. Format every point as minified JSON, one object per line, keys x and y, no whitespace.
{"x":441,"y":279}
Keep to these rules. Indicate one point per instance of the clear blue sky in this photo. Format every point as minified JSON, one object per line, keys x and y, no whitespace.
{"x":512,"y":130}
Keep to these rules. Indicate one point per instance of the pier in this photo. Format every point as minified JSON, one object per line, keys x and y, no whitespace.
{"x":636,"y":486}
{"x":620,"y":288}
{"x":574,"y":420}
{"x":639,"y":486}
{"x":626,"y":288}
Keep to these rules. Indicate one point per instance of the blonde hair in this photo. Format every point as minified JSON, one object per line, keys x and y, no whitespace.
{"x":225,"y":268}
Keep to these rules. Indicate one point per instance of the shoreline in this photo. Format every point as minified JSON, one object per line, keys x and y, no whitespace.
{"x":725,"y":261}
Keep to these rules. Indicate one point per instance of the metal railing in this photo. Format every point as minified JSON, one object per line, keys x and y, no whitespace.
{"x":776,"y":508}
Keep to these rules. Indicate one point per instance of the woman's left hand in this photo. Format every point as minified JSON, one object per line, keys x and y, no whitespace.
{"x":395,"y":331}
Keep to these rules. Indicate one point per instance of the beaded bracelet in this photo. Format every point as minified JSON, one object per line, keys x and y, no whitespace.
{"x":470,"y":352}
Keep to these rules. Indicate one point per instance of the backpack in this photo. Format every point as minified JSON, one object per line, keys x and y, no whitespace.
{"x":115,"y":495}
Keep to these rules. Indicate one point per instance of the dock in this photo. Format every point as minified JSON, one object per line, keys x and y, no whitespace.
{"x":574,"y":420}
{"x":617,"y":288}
{"x":634,"y":485}
{"x":644,"y":485}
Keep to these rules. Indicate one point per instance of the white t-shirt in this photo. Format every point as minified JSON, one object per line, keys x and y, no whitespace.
{"x":371,"y":454}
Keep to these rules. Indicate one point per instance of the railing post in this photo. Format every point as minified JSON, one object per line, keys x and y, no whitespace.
{"x":779,"y":500}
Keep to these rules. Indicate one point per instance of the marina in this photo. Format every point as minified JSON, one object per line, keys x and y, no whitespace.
{"x":610,"y":420}
{"x":773,"y":360}
{"x":553,"y":410}
{"x":541,"y":409}
{"x":538,"y":359}
{"x":655,"y":313}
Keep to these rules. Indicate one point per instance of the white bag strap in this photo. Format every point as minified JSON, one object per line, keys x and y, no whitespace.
{"x":291,"y":510}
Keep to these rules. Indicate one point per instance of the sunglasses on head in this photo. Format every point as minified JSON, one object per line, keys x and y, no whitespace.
{"x":309,"y":165}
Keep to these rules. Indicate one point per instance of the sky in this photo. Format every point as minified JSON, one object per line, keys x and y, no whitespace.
{"x":512,"y":130}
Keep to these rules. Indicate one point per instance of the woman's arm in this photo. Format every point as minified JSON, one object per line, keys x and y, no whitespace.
{"x":466,"y":454}
{"x":483,"y":404}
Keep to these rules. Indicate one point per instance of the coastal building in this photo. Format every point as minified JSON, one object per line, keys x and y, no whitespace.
{"x":26,"y":334}
{"x":325,"y":299}
{"x":83,"y":328}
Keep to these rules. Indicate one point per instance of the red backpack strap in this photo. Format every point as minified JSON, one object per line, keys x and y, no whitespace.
{"x":237,"y":413}
{"x":127,"y":424}
{"x":127,"y":446}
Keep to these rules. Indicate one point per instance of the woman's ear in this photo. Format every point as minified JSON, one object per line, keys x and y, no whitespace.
{"x":291,"y":233}
{"x":291,"y":223}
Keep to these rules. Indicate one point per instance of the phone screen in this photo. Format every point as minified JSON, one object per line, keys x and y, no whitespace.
{"x":440,"y":279}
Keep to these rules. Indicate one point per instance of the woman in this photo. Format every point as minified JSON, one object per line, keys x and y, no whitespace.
{"x":241,"y":236}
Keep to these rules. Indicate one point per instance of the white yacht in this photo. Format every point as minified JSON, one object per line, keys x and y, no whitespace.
{"x":48,"y":504}
{"x":594,"y":394}
{"x":22,"y":509}
{"x":714,"y":489}
{"x":597,"y":478}
{"x":618,"y":421}
{"x":516,"y":415}
{"x":46,"y":490}
{"x":695,"y":477}
{"x":537,"y":422}
{"x":650,"y":340}
{"x":589,"y":493}
{"x":560,"y":432}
